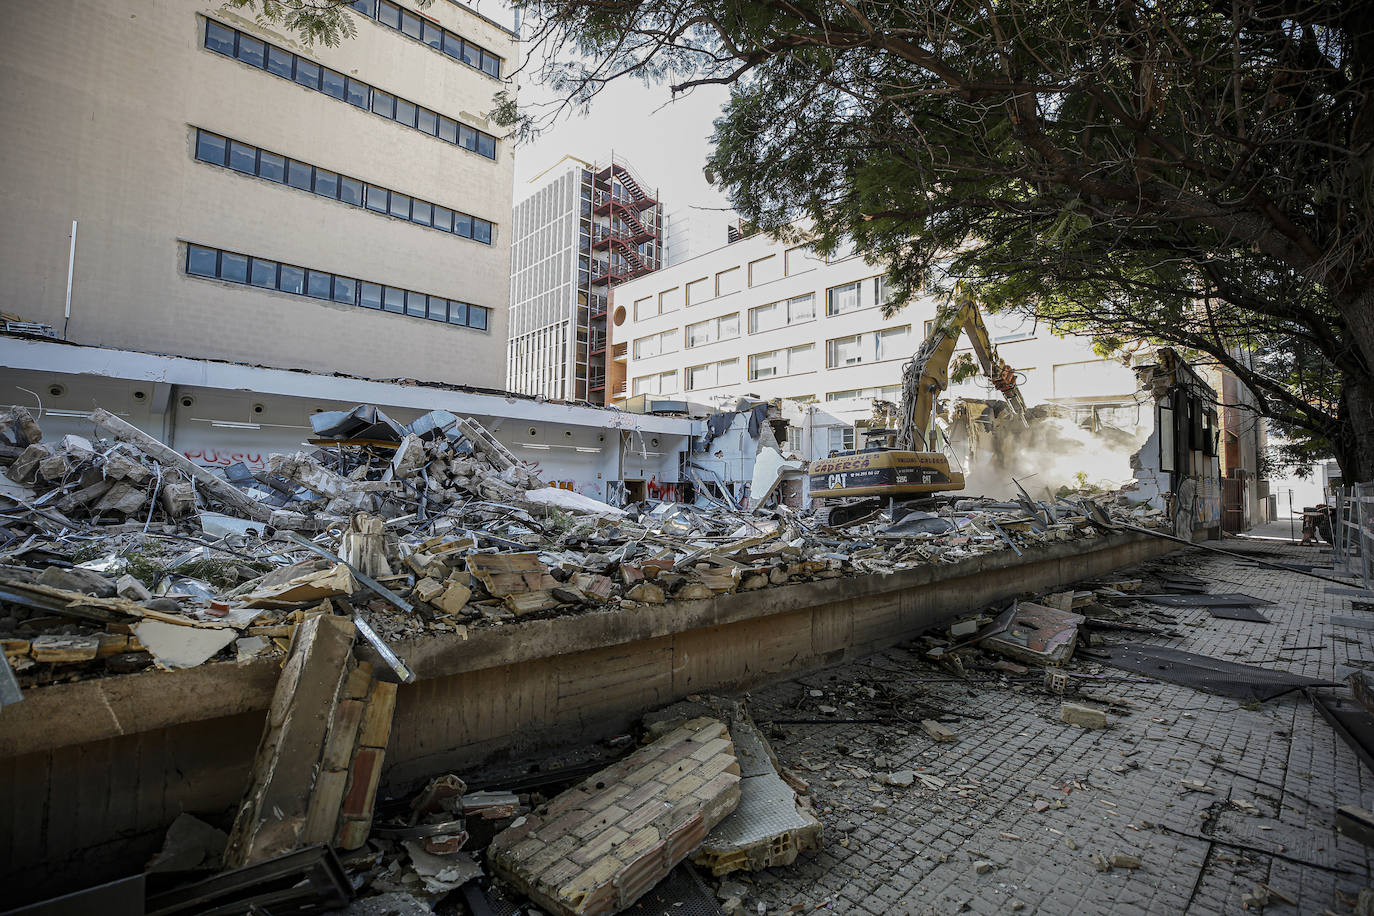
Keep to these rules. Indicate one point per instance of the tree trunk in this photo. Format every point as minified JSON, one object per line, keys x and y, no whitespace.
{"x":1355,"y":447}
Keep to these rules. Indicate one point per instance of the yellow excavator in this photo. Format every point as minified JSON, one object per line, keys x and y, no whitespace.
{"x":904,"y":462}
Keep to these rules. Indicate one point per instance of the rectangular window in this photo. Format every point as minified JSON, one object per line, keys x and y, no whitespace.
{"x":892,"y":343}
{"x":351,"y":191}
{"x":698,"y":291}
{"x":448,"y":129}
{"x":477,"y":317}
{"x":271,"y":166}
{"x":453,"y":46}
{"x":472,"y":55}
{"x":263,"y":273}
{"x":644,"y":308}
{"x":233,"y":267}
{"x":727,"y":327}
{"x":486,"y":146}
{"x":280,"y":62}
{"x":844,"y":351}
{"x":365,"y":7}
{"x":646,"y":347}
{"x":701,"y":376}
{"x":765,"y":270}
{"x":729,"y":281}
{"x":202,"y":262}
{"x":326,"y":183}
{"x":383,"y":103}
{"x":491,"y":64}
{"x":799,"y":260}
{"x":376,"y":198}
{"x":334,"y":83}
{"x":443,"y":218}
{"x":701,"y":333}
{"x":422,"y":213}
{"x":370,"y":295}
{"x":307,"y":73}
{"x":389,"y":14}
{"x":300,"y":175}
{"x":767,"y":317}
{"x":400,"y":205}
{"x":670,"y":300}
{"x":291,"y":279}
{"x":417,"y":304}
{"x":462,"y":225}
{"x":405,"y":112}
{"x":438,"y":309}
{"x":766,"y":365}
{"x":432,"y":35}
{"x":252,"y":51}
{"x":218,"y":38}
{"x":211,"y":147}
{"x":841,"y":299}
{"x":839,"y":438}
{"x":393,"y":299}
{"x":410,"y":24}
{"x":319,"y":284}
{"x":242,"y":157}
{"x":457,"y":312}
{"x":429,"y":121}
{"x":645,"y":384}
{"x":345,"y":290}
{"x":481,"y":231}
{"x":801,"y":308}
{"x":359,"y":94}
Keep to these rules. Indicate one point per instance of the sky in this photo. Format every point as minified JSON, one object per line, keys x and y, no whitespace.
{"x":665,"y":140}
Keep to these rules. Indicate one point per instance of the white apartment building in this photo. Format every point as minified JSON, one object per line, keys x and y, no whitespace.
{"x":195,"y":182}
{"x":769,"y":319}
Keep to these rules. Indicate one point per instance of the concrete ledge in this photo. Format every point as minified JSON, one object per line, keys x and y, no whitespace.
{"x":85,"y":711}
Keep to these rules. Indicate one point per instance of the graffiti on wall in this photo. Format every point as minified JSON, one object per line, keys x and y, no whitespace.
{"x":213,"y":457}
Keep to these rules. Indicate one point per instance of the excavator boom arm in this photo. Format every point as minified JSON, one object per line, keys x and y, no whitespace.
{"x":926,"y":374}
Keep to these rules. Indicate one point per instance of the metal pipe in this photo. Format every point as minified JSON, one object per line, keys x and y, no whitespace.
{"x":71,"y":269}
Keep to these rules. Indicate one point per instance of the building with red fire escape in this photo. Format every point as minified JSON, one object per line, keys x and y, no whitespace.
{"x":586,"y":228}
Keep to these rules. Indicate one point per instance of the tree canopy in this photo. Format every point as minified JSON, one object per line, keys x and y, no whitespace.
{"x":1191,"y":172}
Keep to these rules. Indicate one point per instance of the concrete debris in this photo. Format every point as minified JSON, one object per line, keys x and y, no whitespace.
{"x":190,"y":844}
{"x":1034,"y":634}
{"x":599,"y":846}
{"x":174,"y":646}
{"x":315,"y":776}
{"x":773,"y":823}
{"x":1083,"y":715}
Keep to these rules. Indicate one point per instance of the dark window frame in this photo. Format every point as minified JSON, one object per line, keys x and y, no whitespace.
{"x":485,"y":61}
{"x":327,"y":286}
{"x":420,"y":212}
{"x":482,"y":143}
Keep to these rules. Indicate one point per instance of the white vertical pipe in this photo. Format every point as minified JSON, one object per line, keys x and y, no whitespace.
{"x":71,"y":269}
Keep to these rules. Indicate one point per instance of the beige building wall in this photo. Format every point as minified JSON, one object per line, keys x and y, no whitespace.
{"x":100,"y":105}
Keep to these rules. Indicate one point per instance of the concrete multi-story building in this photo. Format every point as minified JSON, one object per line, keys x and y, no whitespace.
{"x":584,"y":229}
{"x":192,"y":181}
{"x":771,"y":319}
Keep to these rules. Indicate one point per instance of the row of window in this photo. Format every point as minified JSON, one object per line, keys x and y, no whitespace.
{"x":850,"y":297}
{"x":871,"y":347}
{"x":251,"y":160}
{"x":440,"y":39}
{"x":260,"y":54}
{"x":321,"y":284}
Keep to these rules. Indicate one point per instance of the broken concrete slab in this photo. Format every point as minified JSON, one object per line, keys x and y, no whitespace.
{"x":1035,"y":634}
{"x":309,"y":588}
{"x":1083,"y":715}
{"x":599,"y":846}
{"x":175,"y":646}
{"x":769,"y":828}
{"x":277,"y":808}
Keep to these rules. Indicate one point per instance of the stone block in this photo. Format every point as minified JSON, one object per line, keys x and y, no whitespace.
{"x":1082,"y":715}
{"x":621,"y":850}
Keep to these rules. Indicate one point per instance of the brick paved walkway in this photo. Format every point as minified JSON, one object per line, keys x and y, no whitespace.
{"x":1039,"y":799}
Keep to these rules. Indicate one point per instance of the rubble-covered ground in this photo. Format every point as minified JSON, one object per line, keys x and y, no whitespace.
{"x":1187,"y":802}
{"x":117,"y":553}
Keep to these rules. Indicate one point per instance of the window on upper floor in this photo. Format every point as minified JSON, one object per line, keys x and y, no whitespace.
{"x":257,"y":53}
{"x":765,"y":270}
{"x":415,"y":26}
{"x":250,"y":160}
{"x":233,"y":267}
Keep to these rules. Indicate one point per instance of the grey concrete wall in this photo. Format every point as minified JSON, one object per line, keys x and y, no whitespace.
{"x":101,"y":99}
{"x":91,"y":772}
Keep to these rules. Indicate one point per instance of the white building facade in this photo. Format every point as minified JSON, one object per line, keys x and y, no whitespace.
{"x":771,"y":319}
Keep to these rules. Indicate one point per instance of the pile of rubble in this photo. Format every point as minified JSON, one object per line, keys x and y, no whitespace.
{"x":119,"y":552}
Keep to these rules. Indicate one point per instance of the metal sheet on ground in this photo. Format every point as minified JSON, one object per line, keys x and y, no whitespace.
{"x":1228,"y":599}
{"x":1351,"y":722}
{"x":1229,"y":612}
{"x":1203,"y":672}
{"x":1359,"y":623}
